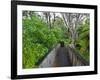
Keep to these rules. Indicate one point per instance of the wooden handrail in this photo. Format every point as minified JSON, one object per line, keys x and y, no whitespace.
{"x":48,"y":61}
{"x":76,"y":58}
{"x":41,"y":60}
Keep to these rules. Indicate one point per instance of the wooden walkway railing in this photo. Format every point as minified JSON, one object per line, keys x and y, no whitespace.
{"x":50,"y":58}
{"x":75,"y":58}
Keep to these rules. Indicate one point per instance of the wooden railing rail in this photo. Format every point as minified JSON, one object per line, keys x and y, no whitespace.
{"x":49,"y":60}
{"x":75,"y":58}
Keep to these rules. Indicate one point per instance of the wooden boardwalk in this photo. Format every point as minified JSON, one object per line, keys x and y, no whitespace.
{"x":62,"y":58}
{"x":58,"y":57}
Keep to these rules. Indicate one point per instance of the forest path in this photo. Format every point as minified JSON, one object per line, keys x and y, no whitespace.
{"x":62,"y":57}
{"x":58,"y":57}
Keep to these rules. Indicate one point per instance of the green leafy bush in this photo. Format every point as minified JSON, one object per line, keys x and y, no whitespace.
{"x":82,"y":43}
{"x":37,"y":40}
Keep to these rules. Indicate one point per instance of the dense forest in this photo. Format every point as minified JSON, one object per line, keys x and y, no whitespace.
{"x":42,"y":31}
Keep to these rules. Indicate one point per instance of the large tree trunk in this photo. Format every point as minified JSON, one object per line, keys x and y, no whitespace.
{"x":49,"y":20}
{"x":72,"y":22}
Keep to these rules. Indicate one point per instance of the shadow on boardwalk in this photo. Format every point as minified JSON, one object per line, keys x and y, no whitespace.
{"x":62,"y":58}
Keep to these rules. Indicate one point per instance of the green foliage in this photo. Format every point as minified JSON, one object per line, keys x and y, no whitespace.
{"x":37,"y":40}
{"x":82,"y":44}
